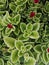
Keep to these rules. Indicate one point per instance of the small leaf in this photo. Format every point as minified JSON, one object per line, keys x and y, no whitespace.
{"x":31,"y":61}
{"x":37,"y":48}
{"x":16,"y":19}
{"x":34,"y":35}
{"x":22,"y":27}
{"x":14,"y":56}
{"x":18,"y":44}
{"x":22,"y":38}
{"x":44,"y":58}
{"x":39,"y":15}
{"x":29,"y":27}
{"x":36,"y":26}
{"x":1,"y":61}
{"x":43,"y":48}
{"x":36,"y":56}
{"x":21,"y":2}
{"x":12,"y":6}
{"x":20,"y":54}
{"x":23,"y":49}
{"x":17,"y":31}
{"x":9,"y":41}
{"x":36,"y":20}
{"x":26,"y":57}
{"x":8,"y":31}
{"x":28,"y":47}
{"x":9,"y":63}
{"x":26,"y":34}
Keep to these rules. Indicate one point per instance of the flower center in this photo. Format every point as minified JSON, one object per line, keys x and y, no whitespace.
{"x":9,"y":26}
{"x":36,"y":1}
{"x":32,"y":14}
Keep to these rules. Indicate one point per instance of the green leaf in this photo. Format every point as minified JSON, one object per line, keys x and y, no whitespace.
{"x":47,"y":6}
{"x":28,"y":47}
{"x":26,"y":34}
{"x":17,"y":31}
{"x":31,"y":61}
{"x":22,"y":27}
{"x":16,"y":19}
{"x":26,"y":57}
{"x":29,"y":27}
{"x":23,"y":49}
{"x":18,"y":44}
{"x":37,"y":49}
{"x":22,"y":38}
{"x":36,"y":20}
{"x":36,"y":56}
{"x":20,"y":8}
{"x":34,"y":35}
{"x":43,"y":48}
{"x":1,"y":61}
{"x":36,"y":26}
{"x":9,"y":63}
{"x":20,"y":54}
{"x":9,"y":41}
{"x":14,"y":56}
{"x":44,"y":58}
{"x":38,"y":15}
{"x":8,"y":31}
{"x":21,"y":2}
{"x":12,"y":6}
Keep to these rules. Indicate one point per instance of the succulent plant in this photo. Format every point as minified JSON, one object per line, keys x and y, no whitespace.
{"x":24,"y":32}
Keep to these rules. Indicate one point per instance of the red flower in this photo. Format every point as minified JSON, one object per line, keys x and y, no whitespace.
{"x":32,"y":14}
{"x":36,"y":1}
{"x":48,"y":49}
{"x":9,"y":26}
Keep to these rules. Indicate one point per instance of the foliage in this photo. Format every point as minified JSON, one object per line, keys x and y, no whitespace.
{"x":24,"y":32}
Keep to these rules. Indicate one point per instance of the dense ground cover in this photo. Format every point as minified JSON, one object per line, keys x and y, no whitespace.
{"x":24,"y":32}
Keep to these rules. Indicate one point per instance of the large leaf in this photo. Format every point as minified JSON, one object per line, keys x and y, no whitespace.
{"x":9,"y":41}
{"x":14,"y":56}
